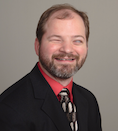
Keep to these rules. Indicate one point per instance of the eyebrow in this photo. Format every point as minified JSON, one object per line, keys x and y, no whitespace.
{"x":58,"y":36}
{"x":76,"y":36}
{"x":54,"y":36}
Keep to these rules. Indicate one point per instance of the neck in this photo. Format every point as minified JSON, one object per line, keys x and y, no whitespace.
{"x":63,"y":82}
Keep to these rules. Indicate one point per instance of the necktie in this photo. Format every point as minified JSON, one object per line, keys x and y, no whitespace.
{"x":69,"y":108}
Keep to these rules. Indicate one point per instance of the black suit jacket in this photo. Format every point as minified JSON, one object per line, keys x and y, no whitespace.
{"x":31,"y":105}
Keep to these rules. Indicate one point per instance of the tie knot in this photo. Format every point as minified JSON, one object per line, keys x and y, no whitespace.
{"x":64,"y":92}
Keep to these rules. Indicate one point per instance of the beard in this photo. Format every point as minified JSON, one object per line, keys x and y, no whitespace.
{"x":61,"y":71}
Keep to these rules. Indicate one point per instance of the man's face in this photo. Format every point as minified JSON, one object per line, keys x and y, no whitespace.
{"x":63,"y":48}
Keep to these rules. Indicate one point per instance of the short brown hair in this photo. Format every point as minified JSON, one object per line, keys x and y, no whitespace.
{"x":48,"y":13}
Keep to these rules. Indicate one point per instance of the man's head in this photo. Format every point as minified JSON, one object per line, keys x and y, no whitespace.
{"x":61,"y":44}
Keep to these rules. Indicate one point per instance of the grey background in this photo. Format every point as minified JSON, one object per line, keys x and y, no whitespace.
{"x":18,"y":21}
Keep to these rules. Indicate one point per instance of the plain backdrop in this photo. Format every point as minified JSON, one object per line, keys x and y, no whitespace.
{"x":18,"y":22}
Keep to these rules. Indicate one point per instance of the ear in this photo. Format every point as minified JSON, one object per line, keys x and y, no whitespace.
{"x":36,"y":46}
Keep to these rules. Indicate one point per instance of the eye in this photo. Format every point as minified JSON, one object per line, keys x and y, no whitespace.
{"x":55,"y":40}
{"x":78,"y":42}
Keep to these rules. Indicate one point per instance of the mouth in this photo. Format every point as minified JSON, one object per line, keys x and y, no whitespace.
{"x":65,"y":59}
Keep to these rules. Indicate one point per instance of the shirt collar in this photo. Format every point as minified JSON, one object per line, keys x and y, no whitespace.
{"x":56,"y":87}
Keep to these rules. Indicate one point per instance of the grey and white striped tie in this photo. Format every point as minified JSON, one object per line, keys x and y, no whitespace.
{"x":69,"y":108}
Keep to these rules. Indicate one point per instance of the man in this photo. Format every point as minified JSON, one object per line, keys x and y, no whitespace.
{"x":35,"y":102}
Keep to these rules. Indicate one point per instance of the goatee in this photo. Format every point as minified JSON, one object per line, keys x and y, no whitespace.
{"x":61,"y":71}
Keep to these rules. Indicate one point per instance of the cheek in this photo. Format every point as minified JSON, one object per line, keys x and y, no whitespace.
{"x":82,"y":51}
{"x":48,"y":50}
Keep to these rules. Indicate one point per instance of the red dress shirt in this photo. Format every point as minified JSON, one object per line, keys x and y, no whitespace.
{"x":56,"y":87}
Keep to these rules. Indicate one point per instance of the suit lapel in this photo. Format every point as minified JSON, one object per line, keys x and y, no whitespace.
{"x":51,"y":105}
{"x":53,"y":109}
{"x":82,"y":109}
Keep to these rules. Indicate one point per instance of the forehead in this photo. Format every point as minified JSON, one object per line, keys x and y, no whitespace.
{"x":70,"y":26}
{"x":64,"y":14}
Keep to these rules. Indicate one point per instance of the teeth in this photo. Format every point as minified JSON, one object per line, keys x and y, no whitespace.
{"x":65,"y":59}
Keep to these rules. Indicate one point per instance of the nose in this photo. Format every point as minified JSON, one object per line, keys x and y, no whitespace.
{"x":66,"y":47}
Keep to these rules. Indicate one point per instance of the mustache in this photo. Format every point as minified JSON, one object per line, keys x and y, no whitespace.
{"x":67,"y":55}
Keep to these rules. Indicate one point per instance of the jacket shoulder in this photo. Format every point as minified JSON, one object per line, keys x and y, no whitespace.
{"x":87,"y":94}
{"x":10,"y":90}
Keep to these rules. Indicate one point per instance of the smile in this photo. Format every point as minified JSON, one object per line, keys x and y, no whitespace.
{"x":64,"y":59}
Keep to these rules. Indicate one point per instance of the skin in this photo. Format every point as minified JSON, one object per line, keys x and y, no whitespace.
{"x":63,"y":36}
